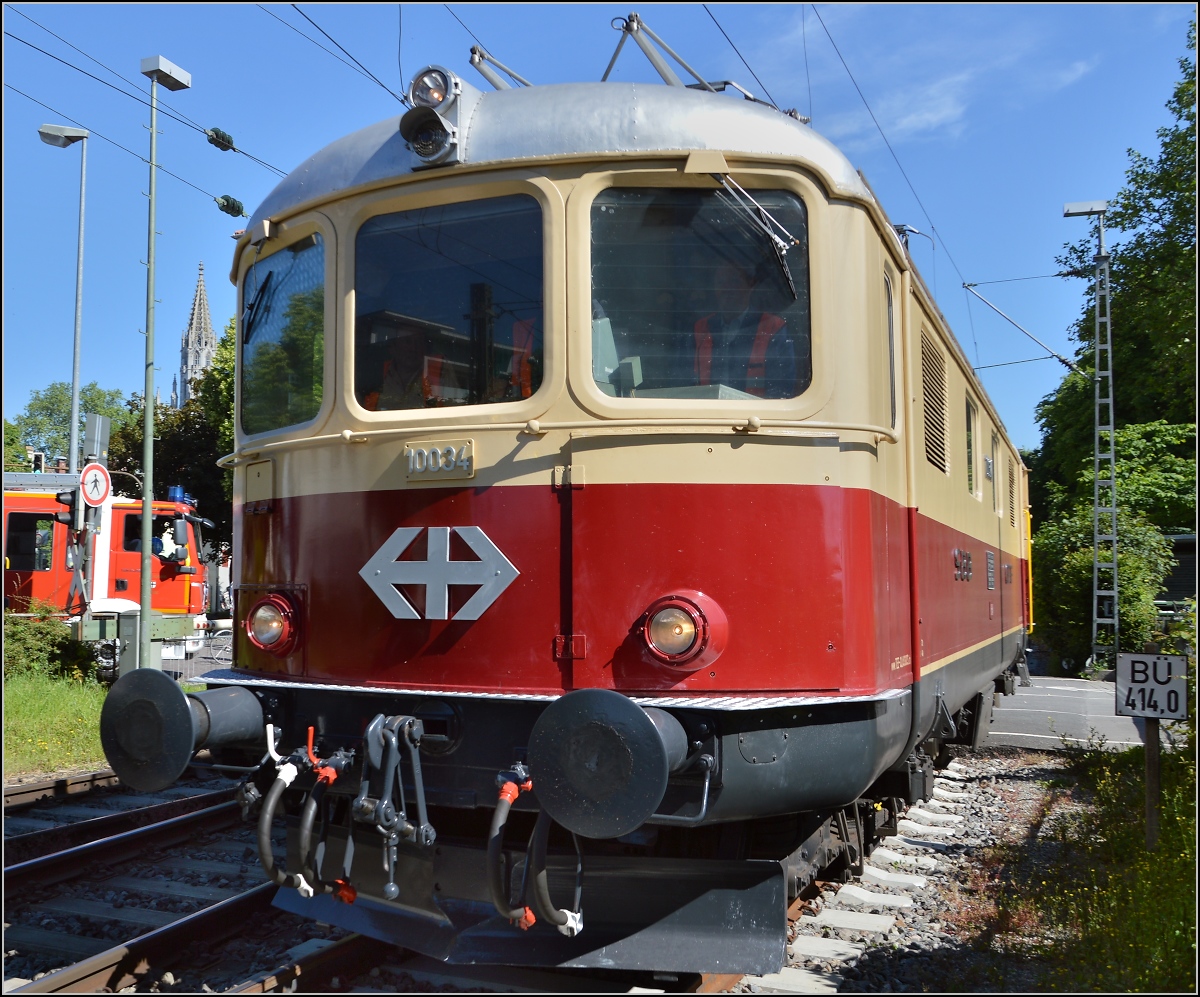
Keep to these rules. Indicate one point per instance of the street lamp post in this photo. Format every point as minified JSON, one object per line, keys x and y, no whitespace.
{"x":159,"y":70}
{"x":63,"y":136}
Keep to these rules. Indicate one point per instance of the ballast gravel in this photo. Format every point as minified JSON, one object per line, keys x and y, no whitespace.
{"x":947,"y":940}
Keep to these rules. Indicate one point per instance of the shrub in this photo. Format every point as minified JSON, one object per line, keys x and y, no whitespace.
{"x":1062,"y":581}
{"x":41,"y":644}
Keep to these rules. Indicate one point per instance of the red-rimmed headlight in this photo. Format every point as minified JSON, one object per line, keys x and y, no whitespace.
{"x":675,"y":630}
{"x":271,"y":625}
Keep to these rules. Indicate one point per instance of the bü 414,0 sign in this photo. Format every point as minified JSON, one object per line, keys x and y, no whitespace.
{"x":1152,"y":685}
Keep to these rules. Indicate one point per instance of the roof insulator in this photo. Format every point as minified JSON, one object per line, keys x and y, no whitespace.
{"x":222,"y":140}
{"x":231,"y":206}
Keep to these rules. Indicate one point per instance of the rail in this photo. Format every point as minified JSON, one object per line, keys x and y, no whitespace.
{"x":18,"y":796}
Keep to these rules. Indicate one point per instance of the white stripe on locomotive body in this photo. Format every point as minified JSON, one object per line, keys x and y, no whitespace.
{"x":227,"y":676}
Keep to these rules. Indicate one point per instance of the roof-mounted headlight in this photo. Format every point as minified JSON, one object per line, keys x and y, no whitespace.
{"x":434,"y":87}
{"x":428,"y":134}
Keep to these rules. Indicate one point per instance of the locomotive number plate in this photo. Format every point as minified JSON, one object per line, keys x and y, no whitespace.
{"x":440,"y":460}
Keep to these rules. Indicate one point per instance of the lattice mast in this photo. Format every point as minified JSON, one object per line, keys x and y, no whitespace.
{"x":1105,"y":585}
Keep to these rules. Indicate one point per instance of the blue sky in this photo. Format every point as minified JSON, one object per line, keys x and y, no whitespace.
{"x":998,"y":114}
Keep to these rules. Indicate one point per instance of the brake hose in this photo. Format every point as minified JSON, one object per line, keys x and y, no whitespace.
{"x":522,"y":916}
{"x":304,"y":839}
{"x":569,"y":923}
{"x":266,"y":855}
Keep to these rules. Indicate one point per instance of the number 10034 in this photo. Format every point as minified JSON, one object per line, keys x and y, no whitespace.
{"x":438,"y":461}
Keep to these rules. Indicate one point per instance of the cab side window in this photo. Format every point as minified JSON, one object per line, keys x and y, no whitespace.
{"x":30,"y":545}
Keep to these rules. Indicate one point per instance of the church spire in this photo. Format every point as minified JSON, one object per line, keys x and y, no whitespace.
{"x":199,"y":341}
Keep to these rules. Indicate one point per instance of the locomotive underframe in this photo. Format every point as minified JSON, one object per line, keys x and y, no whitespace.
{"x":794,"y":794}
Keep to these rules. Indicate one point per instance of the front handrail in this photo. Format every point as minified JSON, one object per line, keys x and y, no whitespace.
{"x":535,"y":427}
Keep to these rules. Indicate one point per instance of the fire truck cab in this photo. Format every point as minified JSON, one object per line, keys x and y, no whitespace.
{"x":39,"y":554}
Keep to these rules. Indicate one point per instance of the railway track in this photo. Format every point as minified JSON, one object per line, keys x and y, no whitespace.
{"x":139,"y":908}
{"x":72,"y":904}
{"x":23,"y":795}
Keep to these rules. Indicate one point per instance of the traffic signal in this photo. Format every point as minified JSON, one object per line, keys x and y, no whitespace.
{"x":39,"y":462}
{"x":73,"y":517}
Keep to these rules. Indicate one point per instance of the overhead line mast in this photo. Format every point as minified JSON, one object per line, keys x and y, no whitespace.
{"x":1105,"y":588}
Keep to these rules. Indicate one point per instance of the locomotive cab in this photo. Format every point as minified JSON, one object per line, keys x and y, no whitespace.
{"x":600,"y":521}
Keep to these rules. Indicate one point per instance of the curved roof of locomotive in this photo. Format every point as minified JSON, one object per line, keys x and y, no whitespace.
{"x":571,"y":120}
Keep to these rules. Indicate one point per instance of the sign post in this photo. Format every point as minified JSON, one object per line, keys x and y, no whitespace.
{"x":95,"y":484}
{"x":1154,"y":687}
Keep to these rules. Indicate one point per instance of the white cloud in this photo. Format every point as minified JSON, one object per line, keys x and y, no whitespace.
{"x":1073,"y":73}
{"x":939,"y":105}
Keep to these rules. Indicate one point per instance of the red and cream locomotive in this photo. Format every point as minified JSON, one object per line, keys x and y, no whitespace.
{"x":620,"y":531}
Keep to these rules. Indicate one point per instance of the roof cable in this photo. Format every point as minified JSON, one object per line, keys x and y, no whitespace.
{"x":740,"y":56}
{"x":370,"y":75}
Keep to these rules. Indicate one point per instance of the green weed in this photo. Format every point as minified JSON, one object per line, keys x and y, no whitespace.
{"x":51,"y":725}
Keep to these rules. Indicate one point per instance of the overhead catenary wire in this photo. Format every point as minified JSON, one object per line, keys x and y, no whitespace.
{"x":933,"y":228}
{"x":165,"y":111}
{"x":93,"y":133}
{"x":162,"y":105}
{"x":1041,"y":276}
{"x":971,"y":319}
{"x":370,"y":75}
{"x":465,"y":28}
{"x":310,"y":38}
{"x":739,"y":55}
{"x":1011,"y":363}
{"x":1061,"y":359}
{"x":400,"y":41}
{"x":804,"y":42}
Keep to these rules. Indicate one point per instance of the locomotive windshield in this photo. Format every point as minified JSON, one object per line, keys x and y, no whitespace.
{"x":448,"y":305}
{"x":283,"y":337}
{"x":690,"y":300}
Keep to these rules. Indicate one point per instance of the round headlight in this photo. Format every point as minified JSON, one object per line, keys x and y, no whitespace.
{"x":675,"y":630}
{"x":270,"y":625}
{"x":431,"y":88}
{"x":672,"y":631}
{"x":267,"y":624}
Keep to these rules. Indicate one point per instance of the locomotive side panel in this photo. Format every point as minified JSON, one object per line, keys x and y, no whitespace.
{"x":964,"y":542}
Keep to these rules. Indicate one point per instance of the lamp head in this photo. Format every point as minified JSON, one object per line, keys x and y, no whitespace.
{"x":1078,"y":208}
{"x":61,"y":135}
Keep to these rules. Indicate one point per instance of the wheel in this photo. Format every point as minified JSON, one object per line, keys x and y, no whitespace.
{"x":221,"y":648}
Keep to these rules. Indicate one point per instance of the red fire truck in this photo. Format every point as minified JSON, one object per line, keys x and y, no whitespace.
{"x":40,"y":551}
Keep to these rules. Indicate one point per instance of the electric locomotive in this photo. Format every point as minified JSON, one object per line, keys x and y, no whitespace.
{"x":620,"y":531}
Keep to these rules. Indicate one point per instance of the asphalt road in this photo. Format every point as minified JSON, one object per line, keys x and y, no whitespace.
{"x":1040,"y":715}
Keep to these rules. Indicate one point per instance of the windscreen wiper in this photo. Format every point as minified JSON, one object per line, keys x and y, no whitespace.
{"x":251,"y":311}
{"x":766,"y":223}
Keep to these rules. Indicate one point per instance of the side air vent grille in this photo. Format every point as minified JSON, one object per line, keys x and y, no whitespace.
{"x":1012,"y":493}
{"x":933,"y":383}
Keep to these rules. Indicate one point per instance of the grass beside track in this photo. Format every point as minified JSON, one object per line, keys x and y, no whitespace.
{"x":1124,"y":917}
{"x":51,"y":725}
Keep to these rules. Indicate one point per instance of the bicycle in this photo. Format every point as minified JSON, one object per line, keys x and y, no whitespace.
{"x":220,"y":647}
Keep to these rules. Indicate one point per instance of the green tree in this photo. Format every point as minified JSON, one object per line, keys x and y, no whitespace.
{"x":45,"y":424}
{"x":1152,"y":221}
{"x":1153,"y":271}
{"x":14,"y":449}
{"x":1062,"y":581}
{"x":214,"y":393}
